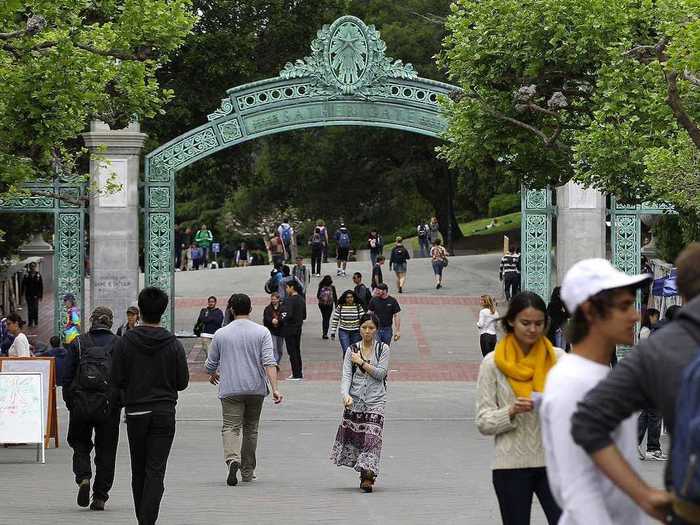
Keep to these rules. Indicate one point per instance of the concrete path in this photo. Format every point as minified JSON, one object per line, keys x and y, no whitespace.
{"x":435,"y":467}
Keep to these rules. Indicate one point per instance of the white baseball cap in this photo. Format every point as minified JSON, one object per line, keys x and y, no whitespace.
{"x":591,"y":276}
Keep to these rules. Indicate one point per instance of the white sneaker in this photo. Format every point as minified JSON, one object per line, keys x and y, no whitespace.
{"x":657,"y":455}
{"x":292,"y":378}
{"x":641,"y":453}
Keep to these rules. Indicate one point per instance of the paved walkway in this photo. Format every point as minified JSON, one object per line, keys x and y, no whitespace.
{"x":439,"y":338}
{"x":435,"y":467}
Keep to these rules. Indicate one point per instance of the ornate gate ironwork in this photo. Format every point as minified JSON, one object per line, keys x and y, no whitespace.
{"x":69,"y":236}
{"x":346,"y":81}
{"x":536,"y":241}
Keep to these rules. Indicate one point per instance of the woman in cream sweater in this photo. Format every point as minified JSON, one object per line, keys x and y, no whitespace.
{"x":511,"y":380}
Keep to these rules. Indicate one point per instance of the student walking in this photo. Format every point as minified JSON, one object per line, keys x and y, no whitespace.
{"x":150,"y":366}
{"x":649,"y":421}
{"x":363,"y":294}
{"x":301,"y":273}
{"x":209,"y":321}
{"x":343,"y":243}
{"x":71,"y":329}
{"x":286,"y":233}
{"x":488,"y":317}
{"x":33,"y":286}
{"x":438,"y":255}
{"x":323,"y":232}
{"x":327,"y":299}
{"x":649,"y":376}
{"x":94,"y":407}
{"x":346,"y":320}
{"x":242,"y":256}
{"x":505,"y":409}
{"x":508,"y":273}
{"x":20,"y":344}
{"x":317,"y":247}
{"x":185,"y":242}
{"x":398,"y":261}
{"x":241,"y":361}
{"x":387,"y":309}
{"x":423,"y":231}
{"x":375,"y":245}
{"x":377,"y":275}
{"x":132,"y":320}
{"x":293,"y":316}
{"x":204,"y":240}
{"x":558,"y":316}
{"x":434,"y":230}
{"x":272,"y":319}
{"x":358,"y":442}
{"x":602,"y":300}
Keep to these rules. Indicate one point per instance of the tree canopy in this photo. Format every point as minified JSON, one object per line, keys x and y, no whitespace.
{"x":604,"y":92}
{"x":65,"y":64}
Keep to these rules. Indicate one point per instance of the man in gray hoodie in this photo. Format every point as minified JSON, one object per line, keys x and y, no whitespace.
{"x":239,"y":361}
{"x":649,"y":377}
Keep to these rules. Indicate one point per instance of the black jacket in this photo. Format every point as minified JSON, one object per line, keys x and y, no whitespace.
{"x":268,"y":315}
{"x":211,"y":319}
{"x":649,"y":376}
{"x":293,"y":314}
{"x":33,"y":285}
{"x":149,"y":365}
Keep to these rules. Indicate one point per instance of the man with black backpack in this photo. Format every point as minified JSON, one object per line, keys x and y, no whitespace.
{"x":343,"y":242}
{"x":94,"y":407}
{"x":652,"y":375}
{"x":423,"y":230}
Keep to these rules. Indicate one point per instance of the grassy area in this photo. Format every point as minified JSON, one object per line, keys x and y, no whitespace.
{"x":502,"y":224}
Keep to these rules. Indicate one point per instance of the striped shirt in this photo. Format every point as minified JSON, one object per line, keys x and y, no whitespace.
{"x":346,"y":317}
{"x":509,"y":264}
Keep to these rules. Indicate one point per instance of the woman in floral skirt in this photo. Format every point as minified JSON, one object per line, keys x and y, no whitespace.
{"x":358,"y":443}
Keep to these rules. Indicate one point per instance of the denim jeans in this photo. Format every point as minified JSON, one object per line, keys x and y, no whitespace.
{"x":514,"y":490}
{"x":385,"y":334}
{"x":424,"y":246}
{"x":348,"y":337}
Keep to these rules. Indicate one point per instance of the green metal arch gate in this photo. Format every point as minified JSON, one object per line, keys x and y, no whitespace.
{"x":346,"y":81}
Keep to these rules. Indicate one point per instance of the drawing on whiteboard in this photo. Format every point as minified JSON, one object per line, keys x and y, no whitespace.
{"x":20,"y":408}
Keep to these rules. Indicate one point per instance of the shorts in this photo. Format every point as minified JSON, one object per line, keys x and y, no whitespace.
{"x":437,"y":267}
{"x":400,"y":267}
{"x":342,"y":254}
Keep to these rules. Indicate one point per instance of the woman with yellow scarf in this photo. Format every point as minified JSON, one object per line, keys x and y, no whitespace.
{"x":510,"y":381}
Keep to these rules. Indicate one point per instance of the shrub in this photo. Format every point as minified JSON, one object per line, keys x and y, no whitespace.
{"x":503,"y":204}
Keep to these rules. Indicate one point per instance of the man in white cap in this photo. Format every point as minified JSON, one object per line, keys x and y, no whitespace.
{"x":601,"y":301}
{"x":649,"y":376}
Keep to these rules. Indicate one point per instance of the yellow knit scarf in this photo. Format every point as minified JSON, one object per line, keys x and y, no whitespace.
{"x":525,"y":373}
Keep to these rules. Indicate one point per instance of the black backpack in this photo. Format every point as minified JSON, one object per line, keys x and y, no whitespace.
{"x":90,"y":399}
{"x":378,"y":348}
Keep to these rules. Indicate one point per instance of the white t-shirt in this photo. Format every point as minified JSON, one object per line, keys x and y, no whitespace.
{"x":585,"y":494}
{"x":20,"y":347}
{"x":487,"y":321}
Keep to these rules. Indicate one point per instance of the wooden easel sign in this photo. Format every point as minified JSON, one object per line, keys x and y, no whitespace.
{"x":22,"y":410}
{"x":46,"y":366}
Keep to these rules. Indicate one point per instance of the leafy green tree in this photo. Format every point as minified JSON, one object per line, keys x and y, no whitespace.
{"x":64,"y":64}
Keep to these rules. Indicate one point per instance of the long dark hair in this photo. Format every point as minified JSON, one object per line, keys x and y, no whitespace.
{"x":14,"y":317}
{"x":519,"y":303}
{"x":326,"y":281}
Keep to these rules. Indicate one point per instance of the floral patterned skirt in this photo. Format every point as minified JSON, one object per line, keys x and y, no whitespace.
{"x":358,"y":443}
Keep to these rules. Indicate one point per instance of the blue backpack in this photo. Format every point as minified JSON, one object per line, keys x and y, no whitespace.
{"x":286,"y":233}
{"x":344,"y":239}
{"x":686,"y":437}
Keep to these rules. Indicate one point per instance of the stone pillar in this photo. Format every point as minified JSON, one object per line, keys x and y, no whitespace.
{"x":580,"y":226}
{"x":114,"y":218}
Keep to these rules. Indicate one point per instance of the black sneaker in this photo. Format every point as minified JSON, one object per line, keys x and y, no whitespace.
{"x":232,"y":480}
{"x":324,"y":337}
{"x":84,"y":493}
{"x":400,"y":290}
{"x":97,"y":504}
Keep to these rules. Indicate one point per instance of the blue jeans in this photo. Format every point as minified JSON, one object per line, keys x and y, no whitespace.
{"x":385,"y":334}
{"x":347,"y":338}
{"x":424,"y":246}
